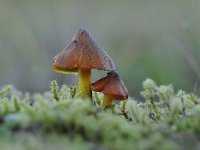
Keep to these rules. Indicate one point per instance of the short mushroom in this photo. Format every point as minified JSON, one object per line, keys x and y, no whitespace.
{"x":112,"y":87}
{"x":80,"y":57}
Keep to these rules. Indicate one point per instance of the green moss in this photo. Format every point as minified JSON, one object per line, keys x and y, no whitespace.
{"x":60,"y":119}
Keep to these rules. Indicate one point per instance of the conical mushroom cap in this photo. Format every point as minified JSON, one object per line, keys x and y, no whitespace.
{"x":111,"y":86}
{"x":82,"y":53}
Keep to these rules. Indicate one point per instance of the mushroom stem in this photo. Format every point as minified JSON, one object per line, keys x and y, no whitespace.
{"x":84,"y":83}
{"x":106,"y":101}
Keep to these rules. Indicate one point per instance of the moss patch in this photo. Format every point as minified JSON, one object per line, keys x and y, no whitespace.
{"x":60,"y":119}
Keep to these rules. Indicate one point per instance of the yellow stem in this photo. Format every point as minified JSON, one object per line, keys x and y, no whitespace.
{"x":106,"y":101}
{"x":84,"y":83}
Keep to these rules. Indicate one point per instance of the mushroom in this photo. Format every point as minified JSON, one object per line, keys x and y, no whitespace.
{"x":80,"y":57}
{"x":112,"y":87}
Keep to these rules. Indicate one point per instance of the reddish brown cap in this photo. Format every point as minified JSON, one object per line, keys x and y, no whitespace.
{"x":112,"y":86}
{"x":82,"y":53}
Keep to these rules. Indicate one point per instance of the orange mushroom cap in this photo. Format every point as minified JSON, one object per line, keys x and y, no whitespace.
{"x":82,"y":53}
{"x":111,"y":86}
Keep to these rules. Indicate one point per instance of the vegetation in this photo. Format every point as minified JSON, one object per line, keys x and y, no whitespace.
{"x":59,"y":119}
{"x":156,"y":39}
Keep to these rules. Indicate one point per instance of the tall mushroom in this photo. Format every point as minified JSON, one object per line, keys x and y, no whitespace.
{"x":80,"y":57}
{"x":112,"y":87}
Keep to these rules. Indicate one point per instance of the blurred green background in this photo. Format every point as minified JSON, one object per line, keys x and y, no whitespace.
{"x":145,"y":38}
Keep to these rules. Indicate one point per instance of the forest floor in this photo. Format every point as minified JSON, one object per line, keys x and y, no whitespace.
{"x":59,"y":119}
